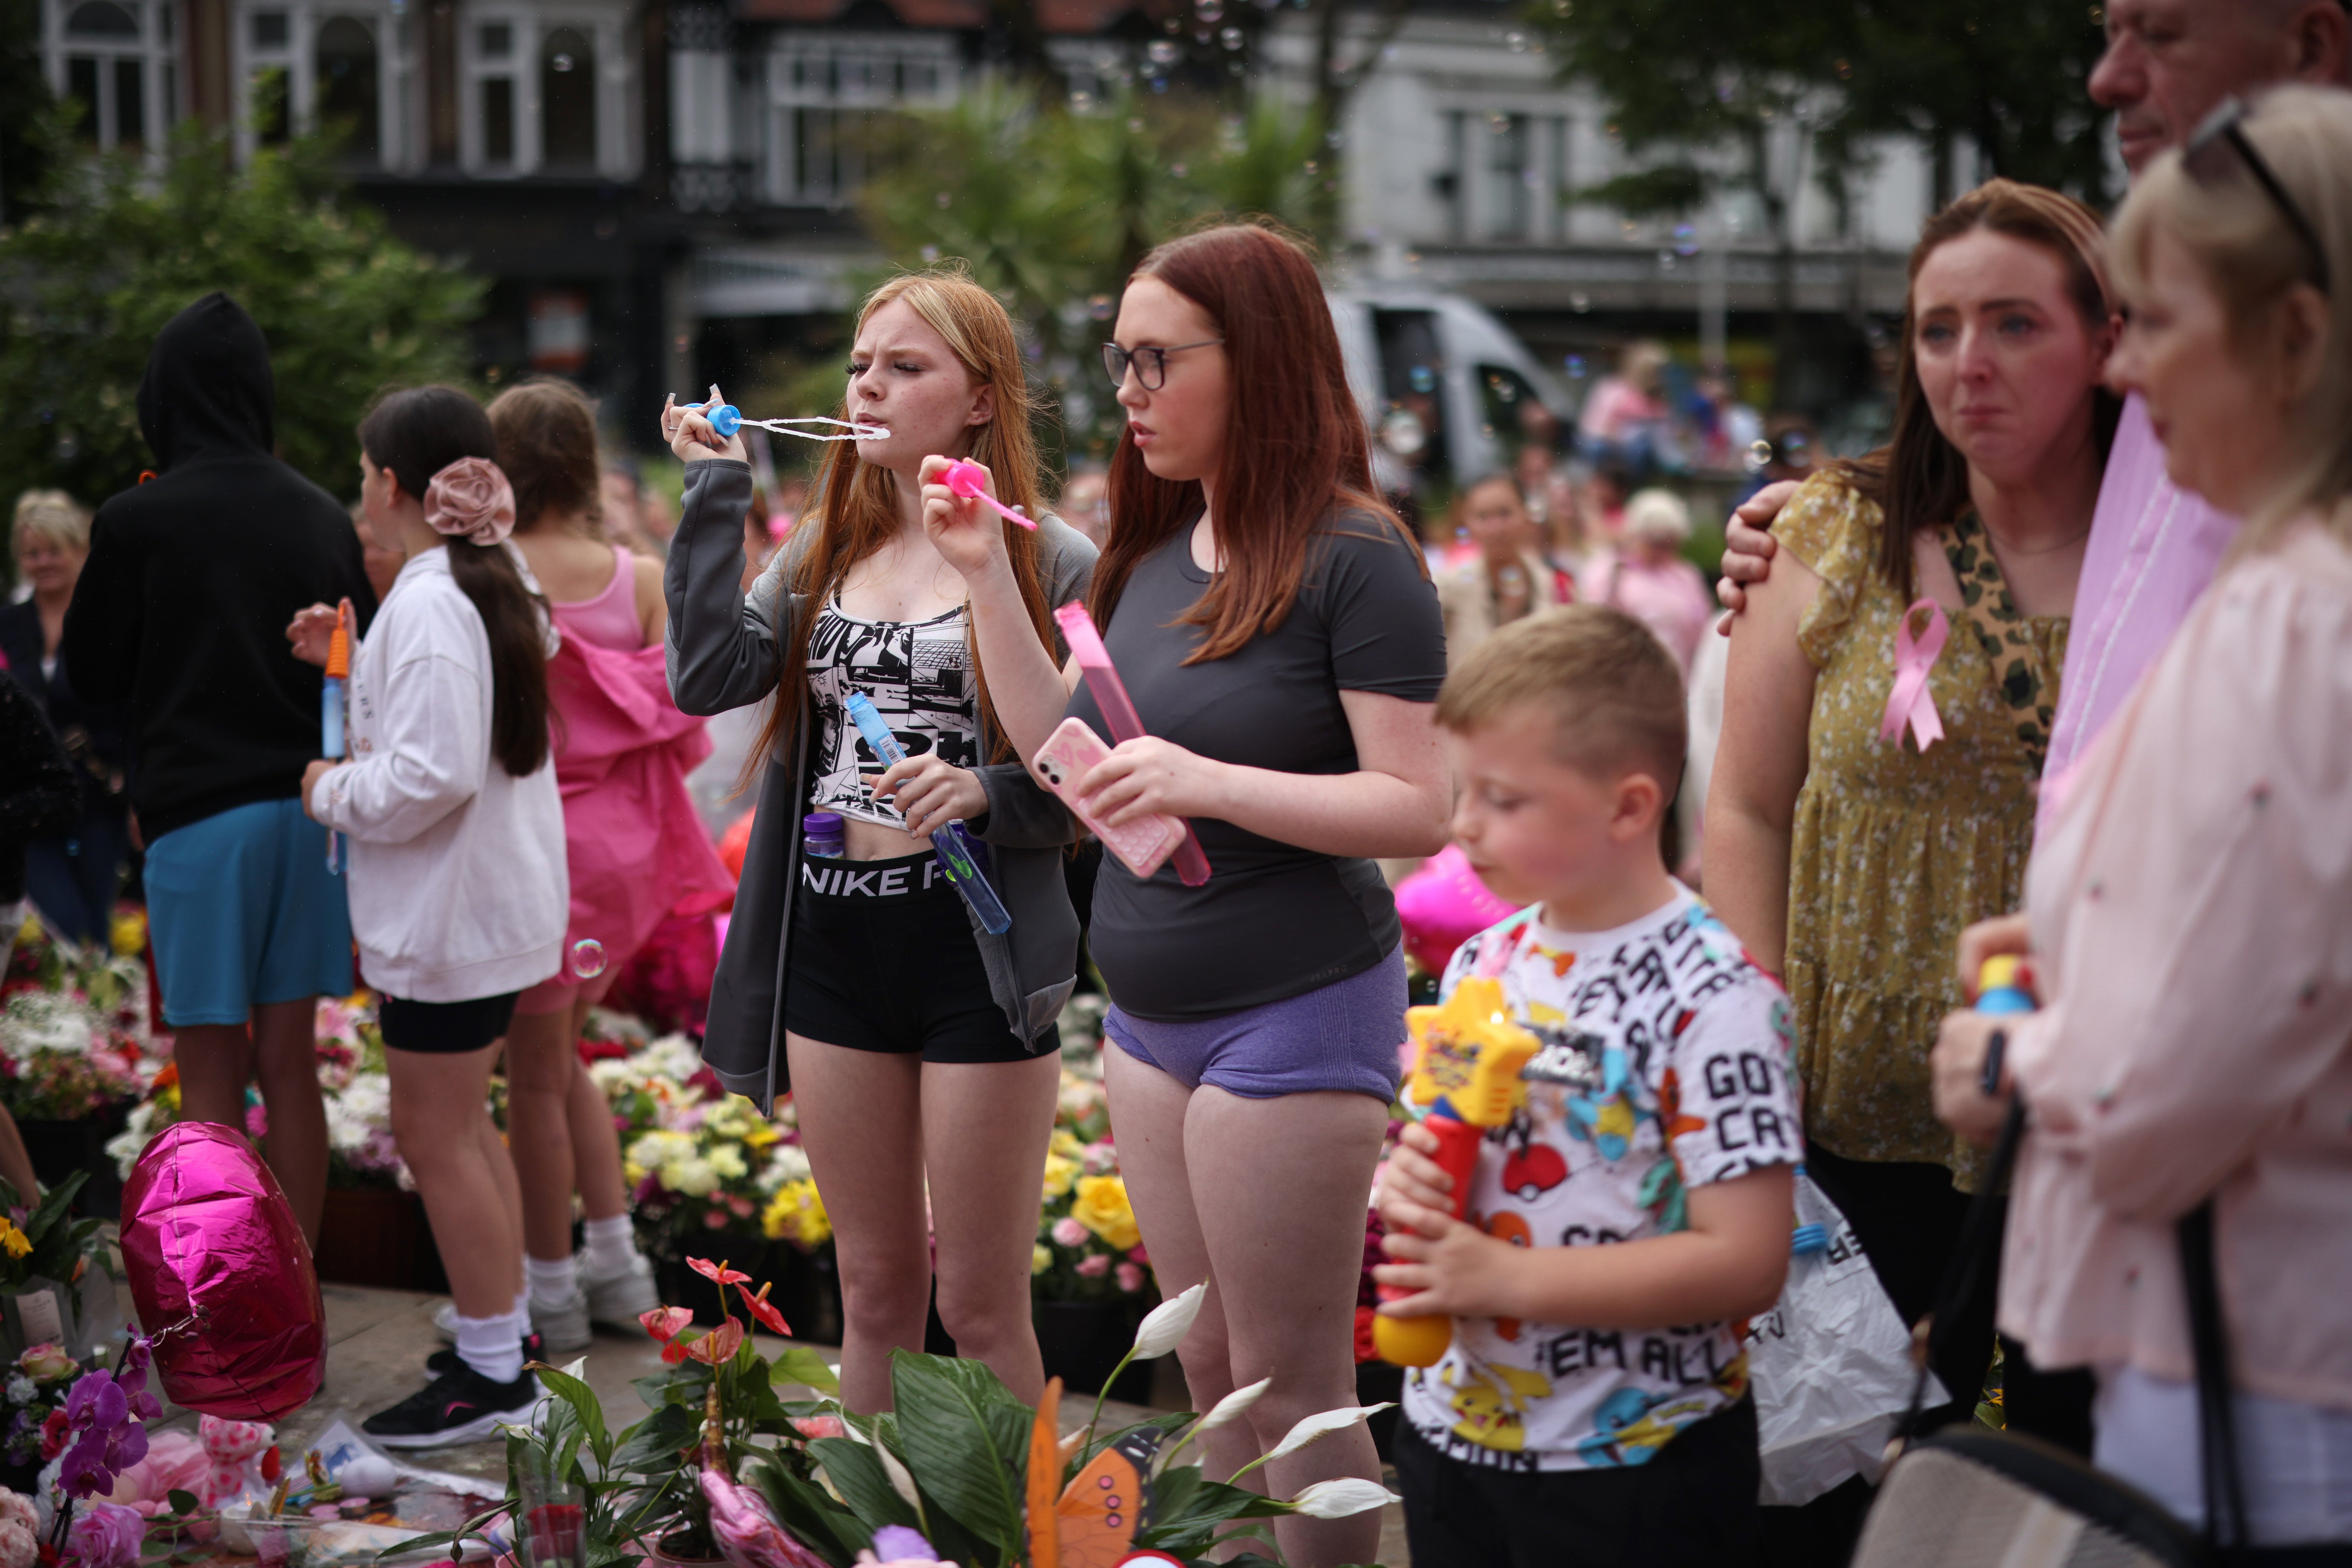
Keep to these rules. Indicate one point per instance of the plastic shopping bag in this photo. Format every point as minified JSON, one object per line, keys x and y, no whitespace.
{"x":1831,"y":1363}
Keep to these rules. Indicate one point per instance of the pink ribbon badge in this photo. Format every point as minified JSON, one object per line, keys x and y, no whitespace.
{"x":1914,"y":659}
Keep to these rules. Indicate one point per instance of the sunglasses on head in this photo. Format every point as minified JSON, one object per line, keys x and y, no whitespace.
{"x":2225,"y":127}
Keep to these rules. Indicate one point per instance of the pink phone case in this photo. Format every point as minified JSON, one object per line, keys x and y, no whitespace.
{"x":1064,"y":759}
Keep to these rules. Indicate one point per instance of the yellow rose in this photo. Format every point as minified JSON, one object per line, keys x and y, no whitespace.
{"x":127,"y":934}
{"x":1041,"y":1259}
{"x":16,"y":1242}
{"x":1059,"y":1174}
{"x":797,"y":1214}
{"x":1102,"y":1207}
{"x":1066,"y":1144}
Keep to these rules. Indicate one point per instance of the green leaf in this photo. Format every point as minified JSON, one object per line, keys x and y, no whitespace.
{"x":182,"y":1503}
{"x":857,"y":1475}
{"x":657,"y":1443}
{"x":809,"y":1512}
{"x":579,"y":1397}
{"x":966,"y":1438}
{"x":1185,"y":1514}
{"x":799,"y":1365}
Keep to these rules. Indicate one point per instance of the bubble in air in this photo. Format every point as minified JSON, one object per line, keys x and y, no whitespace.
{"x":587,"y":958}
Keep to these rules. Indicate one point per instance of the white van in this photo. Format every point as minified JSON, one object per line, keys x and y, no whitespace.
{"x":1441,"y":382}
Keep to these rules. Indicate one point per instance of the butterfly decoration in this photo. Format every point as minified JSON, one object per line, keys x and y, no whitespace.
{"x":1092,"y":1523}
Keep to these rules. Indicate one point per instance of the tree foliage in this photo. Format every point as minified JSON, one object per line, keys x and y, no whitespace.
{"x":2011,"y":75}
{"x":118,"y":246}
{"x":1052,"y":210}
{"x":1681,"y":78}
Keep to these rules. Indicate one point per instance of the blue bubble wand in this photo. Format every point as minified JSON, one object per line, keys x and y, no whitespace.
{"x":953,"y":844}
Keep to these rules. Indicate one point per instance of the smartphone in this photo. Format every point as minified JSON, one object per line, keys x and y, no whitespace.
{"x":1065,"y":757}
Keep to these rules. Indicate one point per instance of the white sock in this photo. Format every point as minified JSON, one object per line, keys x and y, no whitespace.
{"x":521,"y":1307}
{"x":550,"y":1281}
{"x":491,"y":1346}
{"x":612,"y":1245}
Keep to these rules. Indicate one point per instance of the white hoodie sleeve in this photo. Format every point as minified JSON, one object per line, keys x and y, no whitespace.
{"x":429,"y":745}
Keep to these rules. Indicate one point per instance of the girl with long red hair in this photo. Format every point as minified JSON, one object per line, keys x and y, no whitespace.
{"x":1275,"y":626}
{"x":915,"y":1043}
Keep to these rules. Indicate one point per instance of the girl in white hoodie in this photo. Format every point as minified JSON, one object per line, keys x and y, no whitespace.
{"x":458,"y":882}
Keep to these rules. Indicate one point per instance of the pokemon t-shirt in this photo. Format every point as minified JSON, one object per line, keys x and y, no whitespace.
{"x":1664,"y":1066}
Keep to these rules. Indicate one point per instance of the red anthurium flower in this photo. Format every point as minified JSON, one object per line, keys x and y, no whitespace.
{"x":769,"y":1319}
{"x":720,"y":1344}
{"x":719,"y":1271}
{"x":664,"y":1322}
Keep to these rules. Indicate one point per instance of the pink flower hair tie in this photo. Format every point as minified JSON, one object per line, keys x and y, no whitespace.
{"x":471,"y":499}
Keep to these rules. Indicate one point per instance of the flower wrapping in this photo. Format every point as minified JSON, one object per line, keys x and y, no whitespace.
{"x":220,"y":1272}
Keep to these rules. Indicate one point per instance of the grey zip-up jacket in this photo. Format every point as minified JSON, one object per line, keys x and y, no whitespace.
{"x":721,"y":647}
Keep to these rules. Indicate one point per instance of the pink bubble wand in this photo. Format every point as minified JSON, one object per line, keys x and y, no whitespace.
{"x":970,"y":481}
{"x":1192,"y":862}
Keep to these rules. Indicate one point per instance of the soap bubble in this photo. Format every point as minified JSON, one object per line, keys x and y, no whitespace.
{"x":1209,"y":10}
{"x":1162,"y":52}
{"x":1230,"y":37}
{"x":587,"y":958}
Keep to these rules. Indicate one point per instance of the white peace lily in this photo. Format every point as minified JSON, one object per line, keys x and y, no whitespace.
{"x":900,"y":1481}
{"x":1314,"y":1430}
{"x":1229,"y":1409}
{"x":1165,"y":1325}
{"x":1342,"y":1498}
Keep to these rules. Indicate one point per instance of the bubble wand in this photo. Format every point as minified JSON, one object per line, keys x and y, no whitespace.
{"x":725,"y":420}
{"x":1119,"y":713}
{"x":331,"y":718}
{"x":970,"y":481}
{"x":952,"y":844}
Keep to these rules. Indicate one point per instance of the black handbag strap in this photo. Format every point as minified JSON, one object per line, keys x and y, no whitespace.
{"x":2209,"y":1341}
{"x":1970,"y":1257}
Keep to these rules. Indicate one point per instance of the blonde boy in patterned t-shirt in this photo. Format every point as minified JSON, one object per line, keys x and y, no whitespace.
{"x":1593,"y":1406}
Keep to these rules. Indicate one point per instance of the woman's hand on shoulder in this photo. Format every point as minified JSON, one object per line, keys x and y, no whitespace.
{"x":686,"y":431}
{"x":969,"y":536}
{"x":1149,"y":776}
{"x":931,"y":793}
{"x":313,"y":629}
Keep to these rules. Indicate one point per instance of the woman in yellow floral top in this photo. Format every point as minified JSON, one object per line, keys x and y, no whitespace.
{"x":1849,"y":860}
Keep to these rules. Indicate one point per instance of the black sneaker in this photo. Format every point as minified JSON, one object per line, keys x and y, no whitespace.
{"x":461,"y":1406}
{"x":446,"y":1360}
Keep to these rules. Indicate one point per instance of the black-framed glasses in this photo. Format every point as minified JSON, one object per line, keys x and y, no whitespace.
{"x":1151,"y":363}
{"x":2226,"y":126}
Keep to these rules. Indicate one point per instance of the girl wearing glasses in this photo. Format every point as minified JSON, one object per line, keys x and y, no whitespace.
{"x":915,"y":1043}
{"x":1276,"y":628}
{"x":2190,"y":897}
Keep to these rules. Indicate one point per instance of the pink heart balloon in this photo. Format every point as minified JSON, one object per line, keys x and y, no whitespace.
{"x":221,"y":1277}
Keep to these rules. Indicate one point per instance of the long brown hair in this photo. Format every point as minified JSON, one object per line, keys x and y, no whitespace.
{"x":547,"y":445}
{"x":416,"y":433}
{"x":1296,"y":448}
{"x":1918,"y":478}
{"x":856,"y":512}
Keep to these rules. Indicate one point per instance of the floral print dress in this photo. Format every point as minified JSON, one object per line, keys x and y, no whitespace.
{"x":1893,"y":852}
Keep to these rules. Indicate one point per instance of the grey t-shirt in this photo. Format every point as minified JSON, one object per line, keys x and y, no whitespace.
{"x":1273,"y":920}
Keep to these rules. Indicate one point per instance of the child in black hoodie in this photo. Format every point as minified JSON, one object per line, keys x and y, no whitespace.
{"x":181,"y":611}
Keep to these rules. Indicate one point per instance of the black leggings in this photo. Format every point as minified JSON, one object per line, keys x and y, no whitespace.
{"x":1908,"y":1217}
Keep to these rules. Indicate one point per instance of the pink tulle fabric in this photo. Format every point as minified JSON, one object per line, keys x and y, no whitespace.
{"x":637,"y":850}
{"x":471,"y":499}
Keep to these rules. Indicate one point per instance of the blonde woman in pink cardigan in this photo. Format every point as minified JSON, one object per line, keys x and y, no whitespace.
{"x":2190,"y":902}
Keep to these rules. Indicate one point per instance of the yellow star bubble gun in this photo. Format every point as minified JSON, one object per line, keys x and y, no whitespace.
{"x":330,"y":717}
{"x":1467,"y":1071}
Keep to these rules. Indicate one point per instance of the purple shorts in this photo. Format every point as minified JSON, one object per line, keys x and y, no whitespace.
{"x":1343,"y":1036}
